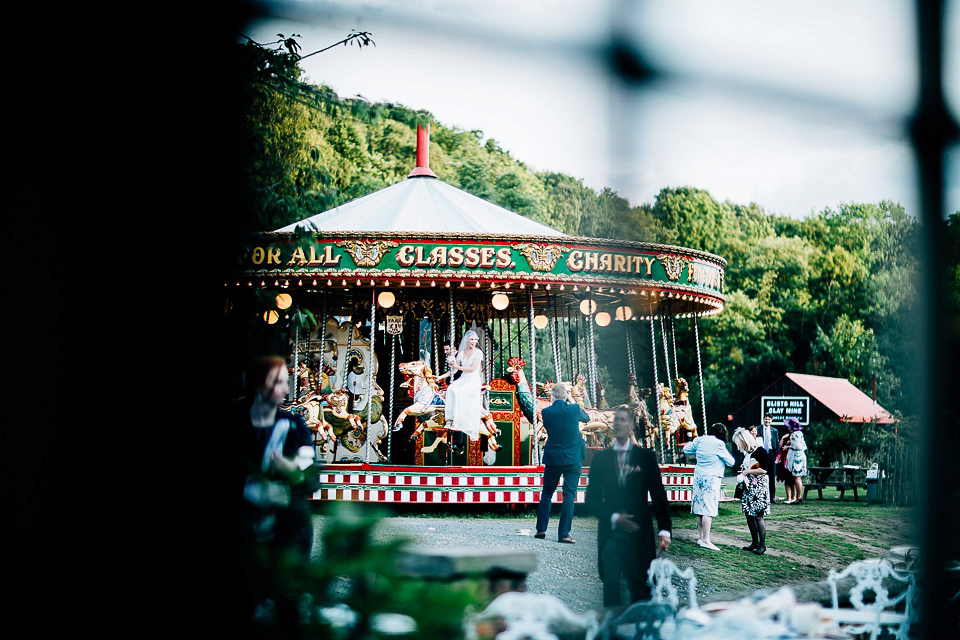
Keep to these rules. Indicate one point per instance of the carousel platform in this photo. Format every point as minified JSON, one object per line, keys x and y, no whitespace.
{"x":463,"y":485}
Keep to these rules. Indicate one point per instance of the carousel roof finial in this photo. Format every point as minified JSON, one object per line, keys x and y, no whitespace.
{"x":423,"y":154}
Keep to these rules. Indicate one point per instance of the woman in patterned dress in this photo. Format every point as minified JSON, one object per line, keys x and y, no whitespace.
{"x":711,"y":453}
{"x":796,"y":460}
{"x":755,"y":501}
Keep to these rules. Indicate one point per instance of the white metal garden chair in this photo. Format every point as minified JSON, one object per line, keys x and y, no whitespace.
{"x":660,"y":578}
{"x":872,"y":617}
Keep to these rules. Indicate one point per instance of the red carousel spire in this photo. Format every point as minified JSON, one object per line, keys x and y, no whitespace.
{"x":423,"y":153}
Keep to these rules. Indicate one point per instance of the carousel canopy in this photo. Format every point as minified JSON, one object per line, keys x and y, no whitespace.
{"x":424,"y":205}
{"x":423,"y":231}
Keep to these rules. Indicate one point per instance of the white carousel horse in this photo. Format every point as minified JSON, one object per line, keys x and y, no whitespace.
{"x":428,"y":401}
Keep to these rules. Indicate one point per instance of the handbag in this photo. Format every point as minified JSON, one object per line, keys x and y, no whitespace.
{"x":738,"y":492}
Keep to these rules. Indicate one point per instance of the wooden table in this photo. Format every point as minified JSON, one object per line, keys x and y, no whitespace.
{"x":827,"y":477}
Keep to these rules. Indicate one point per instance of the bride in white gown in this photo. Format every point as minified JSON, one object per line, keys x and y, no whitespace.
{"x":463,"y":403}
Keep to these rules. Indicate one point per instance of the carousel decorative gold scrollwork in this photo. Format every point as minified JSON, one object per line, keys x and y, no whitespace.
{"x":367,"y":254}
{"x":541,"y":257}
{"x":673,"y":264}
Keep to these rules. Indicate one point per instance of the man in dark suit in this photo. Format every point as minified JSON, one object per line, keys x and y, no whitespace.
{"x":562,"y":456}
{"x":620,"y":478}
{"x":770,"y":439}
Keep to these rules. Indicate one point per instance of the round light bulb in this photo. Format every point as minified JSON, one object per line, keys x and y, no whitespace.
{"x":624,"y":313}
{"x":500,"y":301}
{"x":588,"y":307}
{"x":284,"y":300}
{"x":271,"y":316}
{"x":540,"y":321}
{"x":602,"y":318}
{"x":386,"y":299}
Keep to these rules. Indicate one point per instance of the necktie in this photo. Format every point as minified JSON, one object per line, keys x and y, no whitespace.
{"x":766,"y":438}
{"x":623,"y":467}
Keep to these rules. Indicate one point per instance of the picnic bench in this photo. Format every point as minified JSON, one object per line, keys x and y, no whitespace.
{"x":843,"y":478}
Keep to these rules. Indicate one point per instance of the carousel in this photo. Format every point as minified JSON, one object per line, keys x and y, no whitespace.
{"x":373,"y":296}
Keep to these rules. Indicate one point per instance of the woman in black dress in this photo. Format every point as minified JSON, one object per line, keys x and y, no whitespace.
{"x":278,"y":476}
{"x":755,"y":501}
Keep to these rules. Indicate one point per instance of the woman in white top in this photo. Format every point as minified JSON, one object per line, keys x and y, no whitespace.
{"x":712,"y":455}
{"x":463,"y":403}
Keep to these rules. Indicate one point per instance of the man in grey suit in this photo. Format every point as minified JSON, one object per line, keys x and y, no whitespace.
{"x":770,"y":439}
{"x":562,"y":456}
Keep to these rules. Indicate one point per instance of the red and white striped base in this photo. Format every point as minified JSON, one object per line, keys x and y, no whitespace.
{"x":463,"y":485}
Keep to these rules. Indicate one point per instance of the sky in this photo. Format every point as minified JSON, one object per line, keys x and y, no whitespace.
{"x":795,"y":106}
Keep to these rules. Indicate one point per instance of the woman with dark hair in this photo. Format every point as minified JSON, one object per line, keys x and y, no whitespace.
{"x":755,"y":501}
{"x":794,"y":460}
{"x":711,"y":453}
{"x":278,"y":452}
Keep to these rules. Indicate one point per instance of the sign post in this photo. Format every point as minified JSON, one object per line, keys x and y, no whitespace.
{"x":780,"y":408}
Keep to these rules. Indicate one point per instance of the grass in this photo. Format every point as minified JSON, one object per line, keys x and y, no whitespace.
{"x":804,"y":541}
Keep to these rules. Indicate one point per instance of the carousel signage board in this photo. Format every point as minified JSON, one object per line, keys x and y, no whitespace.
{"x":539,"y":260}
{"x":781,"y":407}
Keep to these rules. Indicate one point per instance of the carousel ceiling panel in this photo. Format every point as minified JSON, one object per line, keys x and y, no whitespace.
{"x":424,"y":205}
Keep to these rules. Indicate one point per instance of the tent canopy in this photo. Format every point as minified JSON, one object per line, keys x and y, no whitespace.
{"x":841,"y":397}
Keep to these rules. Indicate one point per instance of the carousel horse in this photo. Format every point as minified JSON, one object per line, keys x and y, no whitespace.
{"x":600,"y":424}
{"x":428,"y":406}
{"x":313,"y":414}
{"x":667,"y":417}
{"x":602,"y":404}
{"x":686,"y":428}
{"x":338,"y":408}
{"x":637,"y":401}
{"x":334,"y":393}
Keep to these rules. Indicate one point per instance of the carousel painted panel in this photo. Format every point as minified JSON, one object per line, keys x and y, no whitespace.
{"x":332,"y":394}
{"x":464,"y":485}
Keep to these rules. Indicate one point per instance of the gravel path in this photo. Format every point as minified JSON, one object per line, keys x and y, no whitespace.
{"x":567,"y":571}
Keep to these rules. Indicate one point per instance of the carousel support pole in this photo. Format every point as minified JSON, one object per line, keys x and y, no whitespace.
{"x":673,"y":338}
{"x":533,"y":371}
{"x":346,"y":356}
{"x":592,"y":366}
{"x":453,"y":337}
{"x":503,"y":370}
{"x":370,"y":378}
{"x":393,"y":386}
{"x":295,"y":379}
{"x":322,"y":329}
{"x":569,"y":326}
{"x":656,"y":395}
{"x":666,"y":359}
{"x":703,"y":400}
{"x":435,"y":355}
{"x":556,"y":346}
{"x":666,"y":352}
